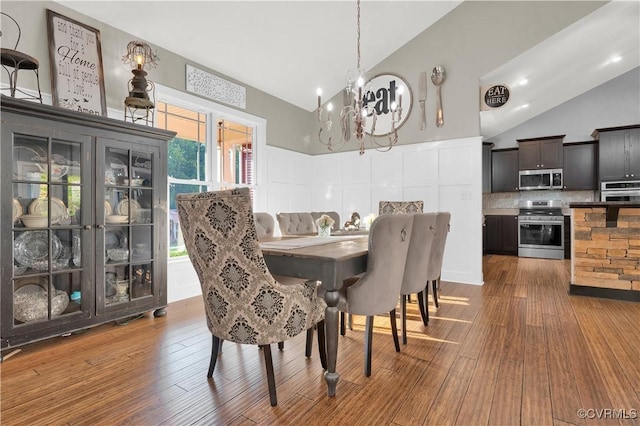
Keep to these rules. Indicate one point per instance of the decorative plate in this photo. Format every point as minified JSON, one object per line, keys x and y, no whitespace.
{"x":17,"y":210}
{"x":33,"y":246}
{"x":107,"y":208}
{"x":126,"y":204}
{"x":114,"y":239}
{"x":58,"y":209}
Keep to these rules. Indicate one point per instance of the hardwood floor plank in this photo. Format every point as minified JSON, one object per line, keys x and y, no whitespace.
{"x":476,"y":406}
{"x":565,"y":399}
{"x":507,"y":397}
{"x":536,"y":395}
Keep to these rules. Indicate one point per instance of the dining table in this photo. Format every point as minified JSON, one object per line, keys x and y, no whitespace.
{"x":329,"y":260}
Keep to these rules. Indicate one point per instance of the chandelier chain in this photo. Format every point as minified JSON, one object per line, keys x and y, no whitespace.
{"x":358,"y":30}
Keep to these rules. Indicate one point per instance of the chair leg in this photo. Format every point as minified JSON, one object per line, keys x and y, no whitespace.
{"x":394,"y":329}
{"x":309,"y":345}
{"x":404,"y":317}
{"x":322,"y":347}
{"x":368,"y":338}
{"x":215,"y":346}
{"x":271,"y":379}
{"x":424,"y":313}
{"x":343,"y":329}
{"x":281,"y":345}
{"x":350,"y":322}
{"x":434,"y":285}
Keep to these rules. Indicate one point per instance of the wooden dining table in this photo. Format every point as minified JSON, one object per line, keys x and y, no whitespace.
{"x":328,"y":260}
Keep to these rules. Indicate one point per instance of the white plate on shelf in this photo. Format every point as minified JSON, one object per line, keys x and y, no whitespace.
{"x":39,"y":206}
{"x":114,"y":218}
{"x":107,"y":208}
{"x":17,"y":210}
{"x":127,"y":204}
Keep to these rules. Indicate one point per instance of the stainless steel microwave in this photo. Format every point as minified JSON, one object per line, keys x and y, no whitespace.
{"x":540,"y":179}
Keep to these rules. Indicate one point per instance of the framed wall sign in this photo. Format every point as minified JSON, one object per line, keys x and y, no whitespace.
{"x":381,"y":93}
{"x":77,"y":80}
{"x":494,"y":96}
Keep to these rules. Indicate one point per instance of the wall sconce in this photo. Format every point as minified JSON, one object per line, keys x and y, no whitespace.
{"x":138,"y":105}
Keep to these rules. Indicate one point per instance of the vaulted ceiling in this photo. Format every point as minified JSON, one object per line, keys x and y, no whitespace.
{"x":289,"y":48}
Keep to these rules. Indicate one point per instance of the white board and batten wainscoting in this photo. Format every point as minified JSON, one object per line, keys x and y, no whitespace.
{"x":446,"y":175}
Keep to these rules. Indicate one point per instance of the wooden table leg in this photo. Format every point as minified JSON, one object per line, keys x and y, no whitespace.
{"x":331,"y":324}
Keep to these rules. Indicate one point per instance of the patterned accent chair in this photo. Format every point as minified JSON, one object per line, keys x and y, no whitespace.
{"x":377,"y":290}
{"x":400,"y":207}
{"x":265,"y":225}
{"x":243,"y":302}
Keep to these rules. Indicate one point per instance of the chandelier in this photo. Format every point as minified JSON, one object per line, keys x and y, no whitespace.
{"x":358,"y":116}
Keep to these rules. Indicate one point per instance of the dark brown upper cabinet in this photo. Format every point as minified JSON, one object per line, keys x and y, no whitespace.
{"x":504,"y":170}
{"x":580,"y":166}
{"x":541,"y":153}
{"x":619,"y":152}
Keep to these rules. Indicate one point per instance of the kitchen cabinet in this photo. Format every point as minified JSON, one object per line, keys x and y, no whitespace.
{"x":486,"y":166}
{"x":504,"y":170}
{"x":501,"y":234}
{"x":541,"y":153}
{"x":619,"y":153}
{"x":580,"y":166}
{"x":85,"y":241}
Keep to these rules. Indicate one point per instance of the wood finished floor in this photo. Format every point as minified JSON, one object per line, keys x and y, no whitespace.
{"x":517,"y":350}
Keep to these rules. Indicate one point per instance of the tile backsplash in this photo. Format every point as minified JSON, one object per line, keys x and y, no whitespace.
{"x":510,"y":200}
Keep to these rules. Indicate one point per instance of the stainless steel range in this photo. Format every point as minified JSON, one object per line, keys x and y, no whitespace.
{"x":541,"y":229}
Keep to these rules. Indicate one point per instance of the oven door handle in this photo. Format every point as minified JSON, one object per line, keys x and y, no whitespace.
{"x":540,"y":222}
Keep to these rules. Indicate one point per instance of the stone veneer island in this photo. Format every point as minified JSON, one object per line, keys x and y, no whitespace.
{"x":605,"y":250}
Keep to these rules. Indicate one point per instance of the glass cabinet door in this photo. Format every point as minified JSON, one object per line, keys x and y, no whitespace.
{"x":126,"y":186}
{"x":50,"y":274}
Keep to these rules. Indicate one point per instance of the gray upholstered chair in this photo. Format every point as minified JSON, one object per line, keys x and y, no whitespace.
{"x":400,"y":207}
{"x":443,"y":221}
{"x":296,"y":223}
{"x":333,"y":215}
{"x":243,"y":302}
{"x":377,"y":290}
{"x":416,"y":270}
{"x":265,"y":225}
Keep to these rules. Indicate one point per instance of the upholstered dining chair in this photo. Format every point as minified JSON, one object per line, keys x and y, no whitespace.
{"x":377,"y":290}
{"x":416,"y":270}
{"x":297,"y":223}
{"x":443,"y":221}
{"x":243,"y":302}
{"x":265,"y":225}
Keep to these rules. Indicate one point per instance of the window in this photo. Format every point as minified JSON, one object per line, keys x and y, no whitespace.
{"x":214,"y":148}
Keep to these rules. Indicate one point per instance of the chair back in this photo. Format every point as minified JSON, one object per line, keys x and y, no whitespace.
{"x":243,"y":301}
{"x":437,"y":252}
{"x":400,"y":207}
{"x":377,"y":291}
{"x":296,"y":223}
{"x":15,"y":30}
{"x":265,"y":225}
{"x":416,"y":270}
{"x":333,"y":215}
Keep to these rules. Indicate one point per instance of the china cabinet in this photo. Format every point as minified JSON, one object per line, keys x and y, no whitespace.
{"x":85,"y":240}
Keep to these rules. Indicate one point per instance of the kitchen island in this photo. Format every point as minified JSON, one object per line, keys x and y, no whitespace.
{"x":605,"y":253}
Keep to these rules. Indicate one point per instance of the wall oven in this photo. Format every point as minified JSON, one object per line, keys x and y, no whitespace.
{"x":540,"y":179}
{"x":541,"y":229}
{"x":620,"y":191}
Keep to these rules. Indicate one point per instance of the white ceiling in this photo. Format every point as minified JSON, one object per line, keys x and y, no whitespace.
{"x":290,"y":48}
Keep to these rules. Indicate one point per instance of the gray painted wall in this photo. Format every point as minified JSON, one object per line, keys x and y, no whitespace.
{"x":470,"y":41}
{"x":615,"y":103}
